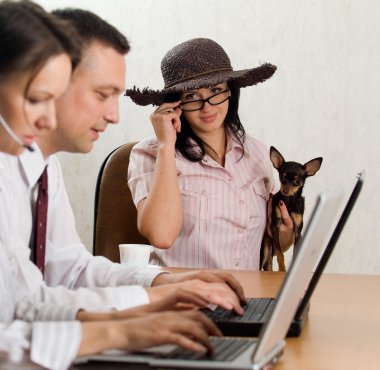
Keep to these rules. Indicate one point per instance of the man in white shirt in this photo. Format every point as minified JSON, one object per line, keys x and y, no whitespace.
{"x":73,"y":276}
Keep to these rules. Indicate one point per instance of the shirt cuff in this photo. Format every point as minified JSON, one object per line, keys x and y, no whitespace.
{"x":28,"y":311}
{"x":144,"y":276}
{"x":130,"y":296}
{"x":55,"y":344}
{"x":53,"y":312}
{"x":15,"y":340}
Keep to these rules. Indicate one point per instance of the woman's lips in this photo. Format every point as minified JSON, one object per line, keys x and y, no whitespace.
{"x":29,"y":139}
{"x":209,"y":118}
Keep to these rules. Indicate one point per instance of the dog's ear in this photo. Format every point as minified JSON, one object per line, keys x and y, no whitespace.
{"x":312,"y":166}
{"x":276,"y":157}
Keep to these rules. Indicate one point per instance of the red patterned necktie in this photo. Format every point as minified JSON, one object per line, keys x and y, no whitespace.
{"x":41,"y":221}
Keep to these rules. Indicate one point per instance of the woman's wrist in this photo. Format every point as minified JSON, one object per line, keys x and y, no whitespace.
{"x":166,"y":149}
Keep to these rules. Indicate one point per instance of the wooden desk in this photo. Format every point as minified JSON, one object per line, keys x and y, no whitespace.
{"x":343,"y":329}
{"x":342,"y":332}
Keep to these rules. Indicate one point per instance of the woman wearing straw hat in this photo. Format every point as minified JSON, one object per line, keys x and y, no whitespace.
{"x":201,"y":186}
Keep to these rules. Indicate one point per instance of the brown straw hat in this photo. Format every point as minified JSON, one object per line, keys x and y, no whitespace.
{"x":195,"y":64}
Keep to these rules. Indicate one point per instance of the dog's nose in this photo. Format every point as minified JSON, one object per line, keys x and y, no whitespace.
{"x":285,"y":190}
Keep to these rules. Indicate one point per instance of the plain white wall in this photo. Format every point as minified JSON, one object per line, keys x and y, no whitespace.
{"x":322,"y":101}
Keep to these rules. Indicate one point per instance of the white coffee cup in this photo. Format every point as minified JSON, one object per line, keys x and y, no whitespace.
{"x":134,"y":254}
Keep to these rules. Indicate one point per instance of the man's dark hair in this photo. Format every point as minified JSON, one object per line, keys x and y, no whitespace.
{"x":93,"y":28}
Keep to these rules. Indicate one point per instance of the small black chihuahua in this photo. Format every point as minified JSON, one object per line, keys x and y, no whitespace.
{"x":292,"y":178}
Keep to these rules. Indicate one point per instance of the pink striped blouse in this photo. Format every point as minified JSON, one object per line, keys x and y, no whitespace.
{"x":224,"y":207}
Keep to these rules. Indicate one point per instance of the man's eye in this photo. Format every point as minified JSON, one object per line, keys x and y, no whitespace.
{"x":102,"y":96}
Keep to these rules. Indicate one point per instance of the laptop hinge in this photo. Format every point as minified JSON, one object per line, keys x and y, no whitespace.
{"x":270,"y":358}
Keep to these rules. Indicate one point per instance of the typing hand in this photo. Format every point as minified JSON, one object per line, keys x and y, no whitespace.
{"x":217,"y":293}
{"x":206,"y":276}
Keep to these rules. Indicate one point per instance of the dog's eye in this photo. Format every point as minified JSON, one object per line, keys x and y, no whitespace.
{"x":298,"y":182}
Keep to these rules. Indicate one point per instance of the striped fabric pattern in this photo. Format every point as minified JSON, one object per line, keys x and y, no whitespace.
{"x":224,"y":207}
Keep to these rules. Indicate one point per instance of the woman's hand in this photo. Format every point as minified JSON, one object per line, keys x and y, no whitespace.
{"x":166,"y":122}
{"x":286,"y":228}
{"x":215,"y":293}
{"x":203,"y":275}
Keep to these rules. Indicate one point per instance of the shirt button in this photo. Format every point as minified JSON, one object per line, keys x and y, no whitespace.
{"x":237,"y":263}
{"x":240,"y":231}
{"x":241,"y":201}
{"x":204,"y":192}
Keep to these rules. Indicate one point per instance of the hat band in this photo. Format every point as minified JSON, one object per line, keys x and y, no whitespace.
{"x":198,"y":75}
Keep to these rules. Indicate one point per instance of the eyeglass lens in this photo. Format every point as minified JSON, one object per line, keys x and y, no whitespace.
{"x":213,"y":100}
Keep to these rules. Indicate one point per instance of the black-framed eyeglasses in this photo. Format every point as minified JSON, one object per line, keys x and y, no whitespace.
{"x":216,"y":99}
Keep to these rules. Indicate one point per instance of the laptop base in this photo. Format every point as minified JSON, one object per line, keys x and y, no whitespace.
{"x":237,"y":328}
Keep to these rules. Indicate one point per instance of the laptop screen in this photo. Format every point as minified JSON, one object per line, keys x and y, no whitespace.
{"x":330,"y":247}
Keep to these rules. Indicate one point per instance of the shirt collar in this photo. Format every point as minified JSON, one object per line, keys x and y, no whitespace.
{"x":233,"y":145}
{"x":32,"y":164}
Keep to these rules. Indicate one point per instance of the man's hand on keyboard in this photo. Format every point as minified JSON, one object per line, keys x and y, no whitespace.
{"x":188,"y":329}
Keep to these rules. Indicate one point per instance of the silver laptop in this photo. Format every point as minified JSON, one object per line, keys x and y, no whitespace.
{"x":258,"y":310}
{"x":251,"y":353}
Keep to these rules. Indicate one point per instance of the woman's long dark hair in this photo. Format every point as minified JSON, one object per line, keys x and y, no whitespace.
{"x":196,"y":152}
{"x":30,"y":37}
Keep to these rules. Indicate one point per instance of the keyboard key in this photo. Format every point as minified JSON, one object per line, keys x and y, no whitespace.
{"x":225,"y":349}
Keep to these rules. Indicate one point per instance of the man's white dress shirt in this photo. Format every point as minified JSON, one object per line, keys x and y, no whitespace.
{"x":73,"y":276}
{"x":50,"y":344}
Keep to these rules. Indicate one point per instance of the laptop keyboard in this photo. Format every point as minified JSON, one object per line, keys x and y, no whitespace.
{"x":225,"y":349}
{"x":256,"y":310}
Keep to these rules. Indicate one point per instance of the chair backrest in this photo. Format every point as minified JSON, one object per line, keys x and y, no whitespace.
{"x":115,"y":215}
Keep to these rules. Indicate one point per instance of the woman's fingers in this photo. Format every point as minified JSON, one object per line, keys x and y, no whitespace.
{"x":166,"y":122}
{"x":180,"y":297}
{"x":233,"y":284}
{"x":168,"y":107}
{"x":269,"y":213}
{"x":220,"y":277}
{"x":286,"y":219}
{"x":286,"y":231}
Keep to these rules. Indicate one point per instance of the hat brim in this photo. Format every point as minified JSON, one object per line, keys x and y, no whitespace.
{"x":243,"y":78}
